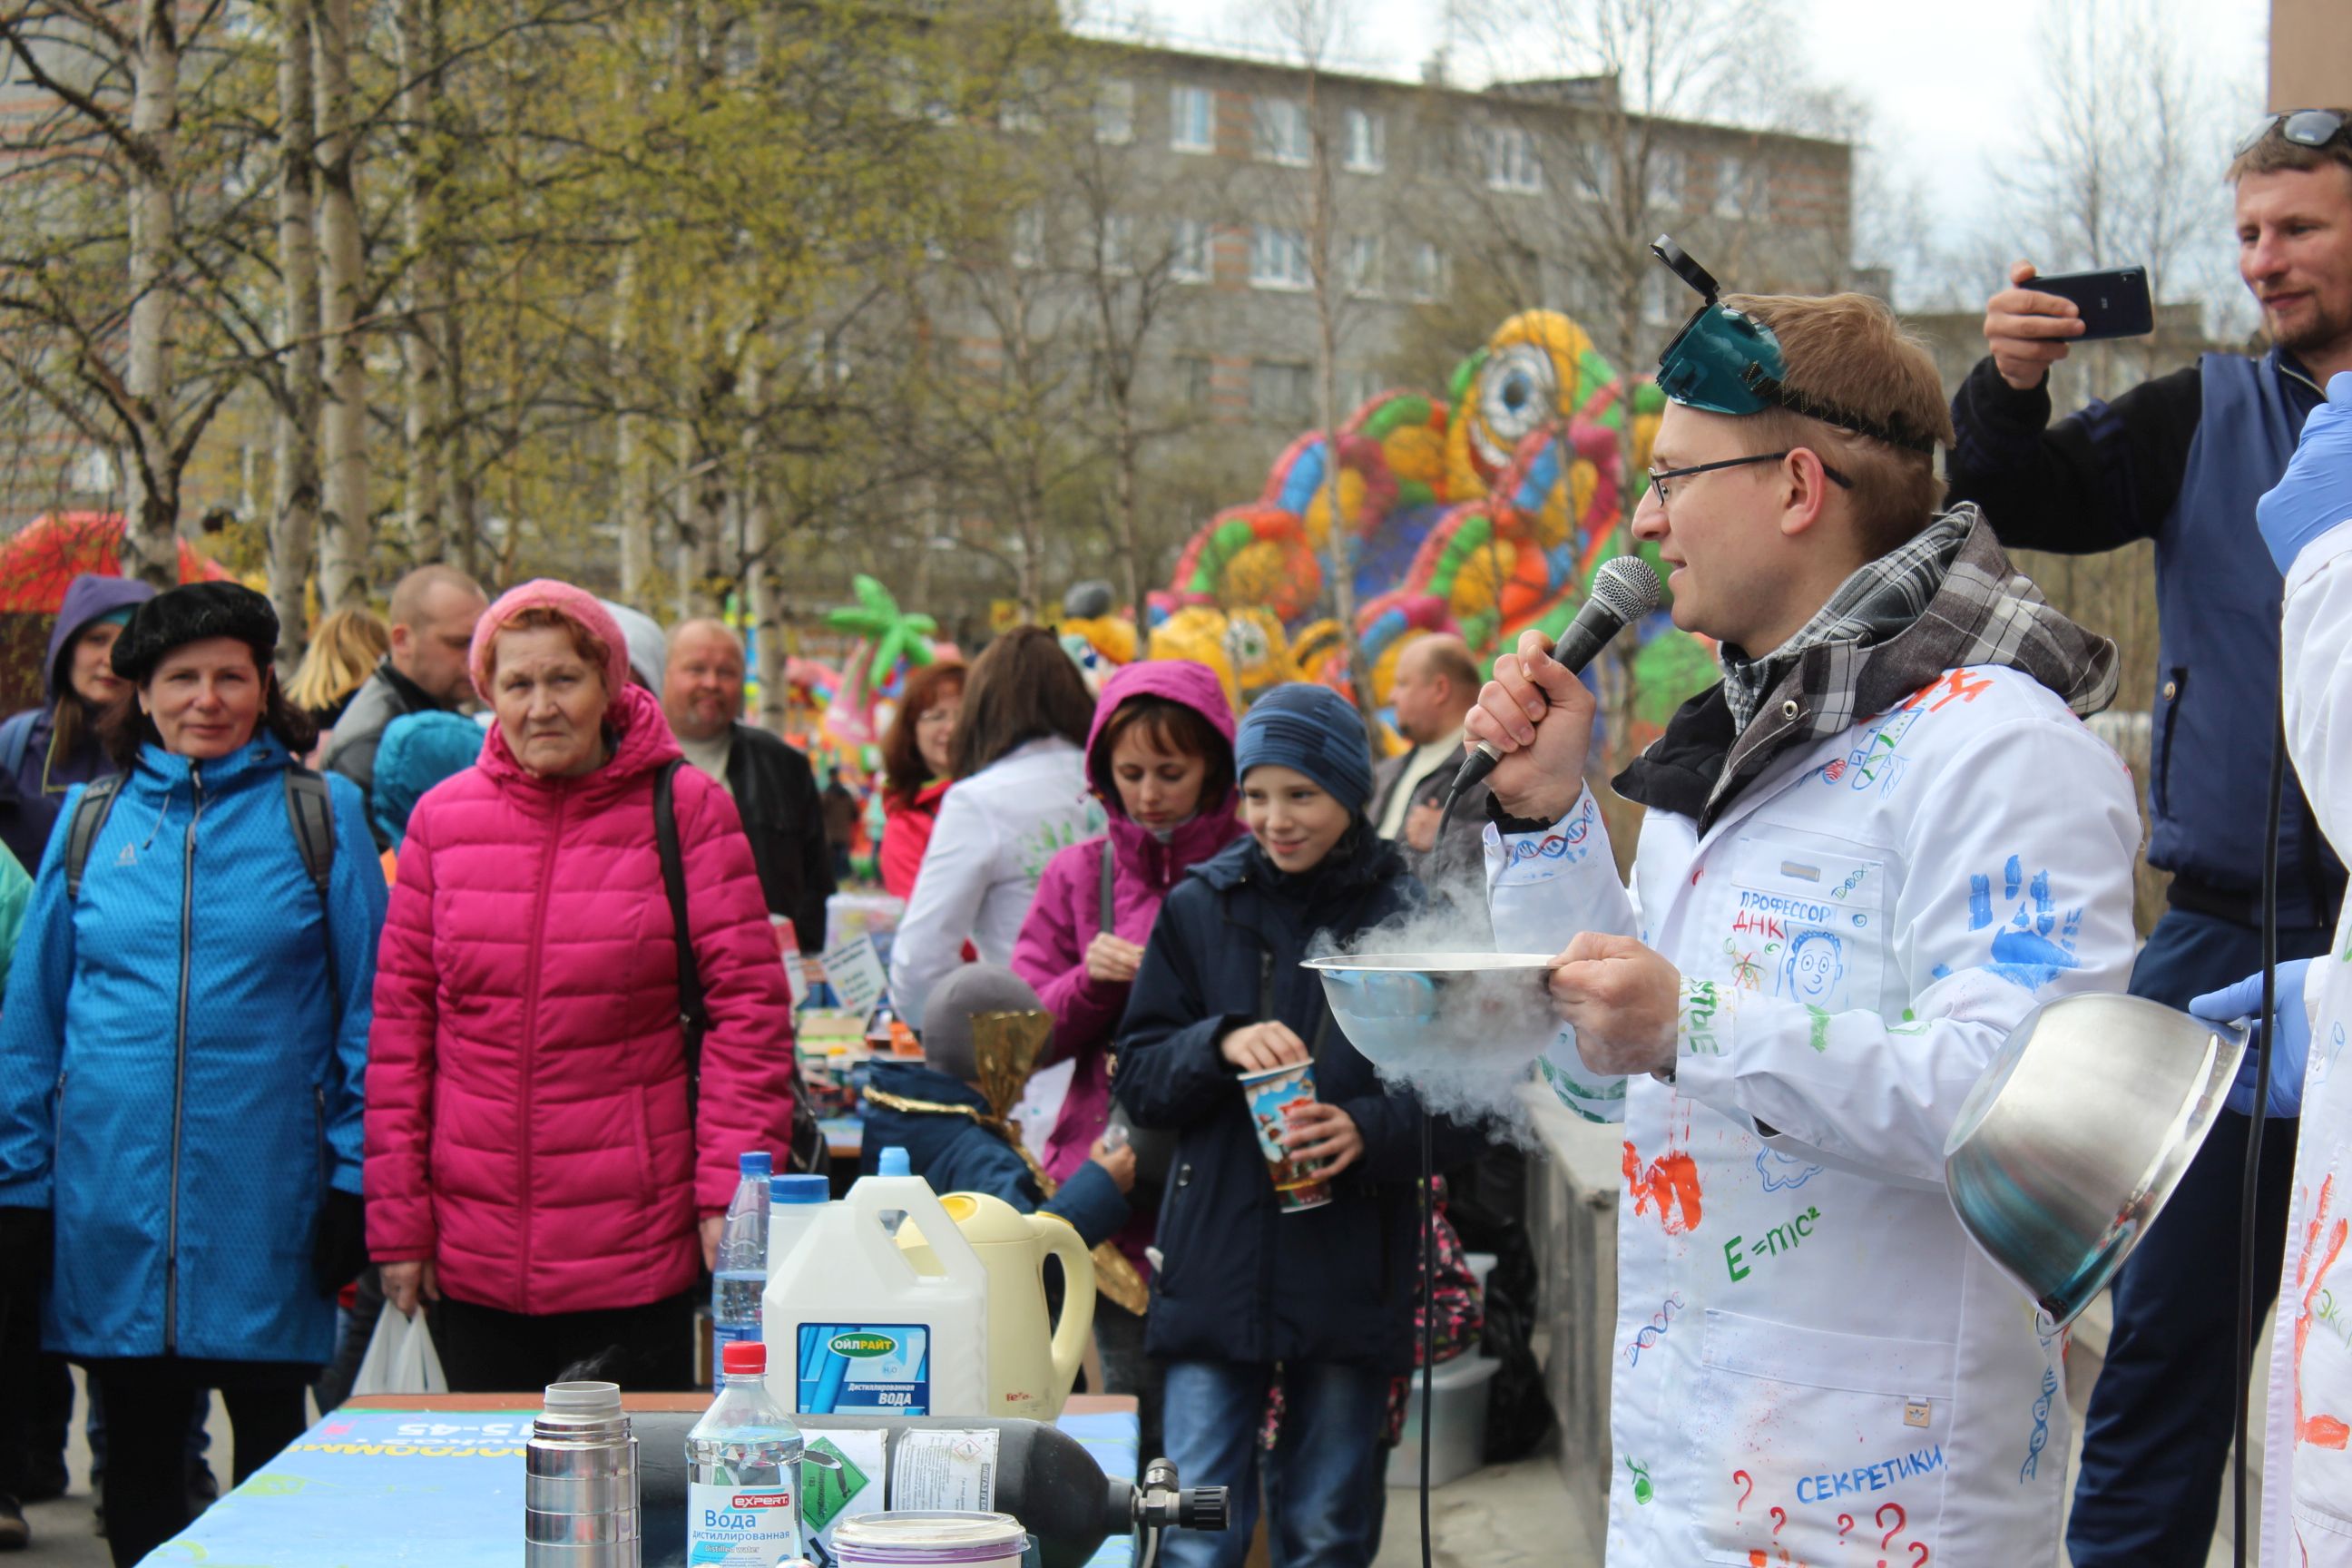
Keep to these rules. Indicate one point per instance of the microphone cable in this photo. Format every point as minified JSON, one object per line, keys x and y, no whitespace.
{"x":2250,"y":1189}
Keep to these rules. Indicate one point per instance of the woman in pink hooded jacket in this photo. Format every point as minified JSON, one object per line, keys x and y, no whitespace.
{"x":535,"y":1161}
{"x":1161,"y":758}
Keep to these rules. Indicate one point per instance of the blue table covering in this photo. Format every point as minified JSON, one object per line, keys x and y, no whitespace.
{"x":371,"y":1489}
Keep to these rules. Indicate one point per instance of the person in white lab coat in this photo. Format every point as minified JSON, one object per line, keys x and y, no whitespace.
{"x":1866,"y":855}
{"x":2306,"y":1515}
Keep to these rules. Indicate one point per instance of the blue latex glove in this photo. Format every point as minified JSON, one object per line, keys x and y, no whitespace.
{"x":2315,"y":494}
{"x":2291,"y":1051}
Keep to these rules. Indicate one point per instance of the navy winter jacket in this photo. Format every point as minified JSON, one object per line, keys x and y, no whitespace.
{"x":956,"y":1154}
{"x":180,"y":1062}
{"x":2180,"y":459}
{"x":1239,"y":1279}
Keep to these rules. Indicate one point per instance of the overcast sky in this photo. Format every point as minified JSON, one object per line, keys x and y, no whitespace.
{"x":1951,"y":84}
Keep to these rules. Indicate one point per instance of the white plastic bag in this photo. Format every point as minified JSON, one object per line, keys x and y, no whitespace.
{"x":400,"y":1357}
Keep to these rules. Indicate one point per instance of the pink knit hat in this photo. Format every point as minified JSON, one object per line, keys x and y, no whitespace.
{"x":575,"y":604}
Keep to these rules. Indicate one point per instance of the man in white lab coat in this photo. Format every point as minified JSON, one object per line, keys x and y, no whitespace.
{"x":1866,"y":855}
{"x":2307,"y":521}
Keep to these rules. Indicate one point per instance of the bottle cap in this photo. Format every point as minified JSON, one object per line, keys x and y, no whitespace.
{"x":793,"y":1189}
{"x":755,"y":1163}
{"x":893,"y":1163}
{"x":743,"y":1358}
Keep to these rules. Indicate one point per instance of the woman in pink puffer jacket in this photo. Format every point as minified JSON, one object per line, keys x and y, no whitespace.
{"x":530,"y":1161}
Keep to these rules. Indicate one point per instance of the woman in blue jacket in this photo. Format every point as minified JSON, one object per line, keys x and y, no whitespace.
{"x":181,"y":1055}
{"x":1245,"y":1295}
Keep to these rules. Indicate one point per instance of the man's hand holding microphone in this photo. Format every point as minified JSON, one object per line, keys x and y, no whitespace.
{"x":1619,"y":996}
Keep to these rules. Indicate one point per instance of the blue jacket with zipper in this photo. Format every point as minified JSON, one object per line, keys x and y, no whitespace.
{"x":182,"y":1053}
{"x":1239,"y":1279}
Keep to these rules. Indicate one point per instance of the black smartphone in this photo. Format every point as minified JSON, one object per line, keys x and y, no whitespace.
{"x":2114,"y":303}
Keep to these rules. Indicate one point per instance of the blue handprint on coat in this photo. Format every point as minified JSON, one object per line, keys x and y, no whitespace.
{"x":2034,"y":942}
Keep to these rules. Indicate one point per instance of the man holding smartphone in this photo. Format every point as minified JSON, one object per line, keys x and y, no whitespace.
{"x":2181,"y":459}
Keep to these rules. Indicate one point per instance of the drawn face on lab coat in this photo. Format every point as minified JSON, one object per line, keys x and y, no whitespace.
{"x":1814,"y":968}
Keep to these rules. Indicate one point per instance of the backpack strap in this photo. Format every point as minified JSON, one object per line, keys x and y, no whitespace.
{"x":89,"y":815}
{"x":16,"y":739}
{"x":311,"y":810}
{"x":1109,"y":889}
{"x":692,"y":1010}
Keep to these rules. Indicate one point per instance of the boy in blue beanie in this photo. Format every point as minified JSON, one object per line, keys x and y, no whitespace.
{"x":1246,"y":1291}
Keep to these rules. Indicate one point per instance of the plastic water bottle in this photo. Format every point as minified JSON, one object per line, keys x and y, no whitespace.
{"x":794,"y":1205}
{"x":741,"y":1277}
{"x":893,"y":1162}
{"x":743,"y":1472}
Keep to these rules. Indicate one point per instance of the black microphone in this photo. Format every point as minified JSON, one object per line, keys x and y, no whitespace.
{"x":1623,"y":591}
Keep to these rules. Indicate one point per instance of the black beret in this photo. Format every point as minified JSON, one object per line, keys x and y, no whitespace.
{"x":191,"y":614}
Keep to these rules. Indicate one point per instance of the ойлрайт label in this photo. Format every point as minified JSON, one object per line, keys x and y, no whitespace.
{"x":865,"y":1369}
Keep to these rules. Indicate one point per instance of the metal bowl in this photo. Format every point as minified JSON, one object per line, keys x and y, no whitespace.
{"x":1442,"y":1010}
{"x":2070,"y":1145}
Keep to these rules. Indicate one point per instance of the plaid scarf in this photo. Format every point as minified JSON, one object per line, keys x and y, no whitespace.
{"x":1975,"y":609}
{"x":1880,"y":599}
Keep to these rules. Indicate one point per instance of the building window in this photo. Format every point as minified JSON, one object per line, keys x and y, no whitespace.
{"x":1741,"y":189}
{"x":1368,"y":142}
{"x":1029,"y":237}
{"x":1511,"y":161}
{"x":1278,"y":260}
{"x":1191,"y":120}
{"x":1668,"y":177}
{"x":1595,"y":170}
{"x":1188,"y":257}
{"x":1115,"y":244}
{"x":1115,"y":112}
{"x":1657,"y":308}
{"x":1196,"y":380}
{"x":1362,"y":264}
{"x":1362,"y":387}
{"x":1429,"y":272}
{"x":1282,"y":390}
{"x":1279,"y":132}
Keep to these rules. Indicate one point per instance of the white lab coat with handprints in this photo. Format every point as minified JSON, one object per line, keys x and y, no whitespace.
{"x":1814,"y":1365}
{"x":2307,"y":1448}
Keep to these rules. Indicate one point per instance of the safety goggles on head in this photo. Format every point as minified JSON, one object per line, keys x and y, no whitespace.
{"x":2304,"y":127}
{"x":1726,"y":362}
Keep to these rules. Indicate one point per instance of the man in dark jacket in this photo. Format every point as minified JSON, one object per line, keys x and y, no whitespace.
{"x":1437,"y":683}
{"x":432,"y":613}
{"x":2181,"y":460}
{"x":773,"y":786}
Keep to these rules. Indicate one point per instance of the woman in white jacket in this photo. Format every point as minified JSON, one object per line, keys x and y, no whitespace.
{"x":1020,"y":797}
{"x":2307,"y":521}
{"x":1866,"y":856}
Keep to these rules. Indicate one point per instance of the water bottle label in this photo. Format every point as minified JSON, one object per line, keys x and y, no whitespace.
{"x":865,"y":1369}
{"x":741,"y":1527}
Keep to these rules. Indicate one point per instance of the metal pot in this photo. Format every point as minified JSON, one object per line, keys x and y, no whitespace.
{"x":2068,"y":1147}
{"x":1451,"y":1011}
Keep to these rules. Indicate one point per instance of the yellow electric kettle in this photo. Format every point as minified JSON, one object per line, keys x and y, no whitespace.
{"x":1031,"y":1364}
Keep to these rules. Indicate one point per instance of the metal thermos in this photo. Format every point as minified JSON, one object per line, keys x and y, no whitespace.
{"x":580,"y":1485}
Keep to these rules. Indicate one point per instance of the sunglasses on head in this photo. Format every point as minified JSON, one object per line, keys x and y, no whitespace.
{"x":2304,"y":127}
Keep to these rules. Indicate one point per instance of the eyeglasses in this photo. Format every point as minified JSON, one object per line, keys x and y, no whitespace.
{"x":2304,"y":127}
{"x":1658,"y":477}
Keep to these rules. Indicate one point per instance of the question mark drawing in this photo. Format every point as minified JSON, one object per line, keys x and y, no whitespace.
{"x":1921,"y":1548}
{"x":1780,"y":1519}
{"x":1880,"y":1518}
{"x":1846,"y":1522}
{"x":1744,"y":1476}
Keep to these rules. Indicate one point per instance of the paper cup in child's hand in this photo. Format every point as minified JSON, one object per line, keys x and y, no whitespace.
{"x":1298,"y":1182}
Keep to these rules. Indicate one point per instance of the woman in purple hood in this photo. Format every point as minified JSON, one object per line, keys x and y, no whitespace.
{"x":59,"y":744}
{"x":1161,"y":758}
